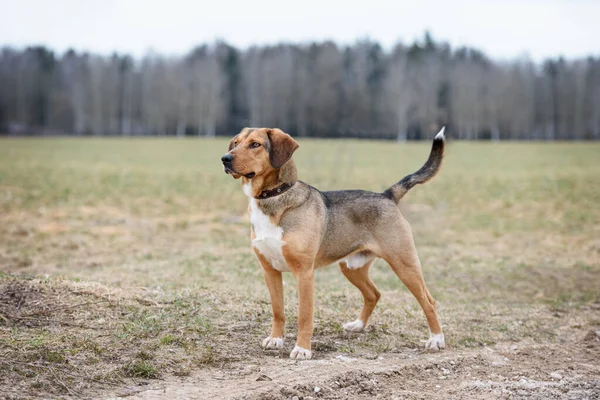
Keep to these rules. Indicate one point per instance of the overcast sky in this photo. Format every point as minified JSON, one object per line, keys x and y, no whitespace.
{"x":503,"y":29}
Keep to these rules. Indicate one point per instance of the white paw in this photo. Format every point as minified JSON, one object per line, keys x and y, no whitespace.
{"x":436,"y":342}
{"x":300,"y":353}
{"x":273,"y":343}
{"x":354,"y":326}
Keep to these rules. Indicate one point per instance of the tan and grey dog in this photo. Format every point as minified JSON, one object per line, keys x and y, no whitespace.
{"x":297,"y":228}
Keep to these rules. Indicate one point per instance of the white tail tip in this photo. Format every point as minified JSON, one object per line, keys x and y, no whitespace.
{"x":440,"y":134}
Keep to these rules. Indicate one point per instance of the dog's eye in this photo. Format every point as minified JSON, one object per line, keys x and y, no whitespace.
{"x":254,"y":145}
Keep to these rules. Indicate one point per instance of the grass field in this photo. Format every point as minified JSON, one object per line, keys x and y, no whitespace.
{"x":125,"y":266}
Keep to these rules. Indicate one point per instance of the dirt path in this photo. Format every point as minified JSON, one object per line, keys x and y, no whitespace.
{"x":525,"y":370}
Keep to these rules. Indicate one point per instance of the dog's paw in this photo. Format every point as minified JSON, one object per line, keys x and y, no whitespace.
{"x":436,"y":342}
{"x":273,"y":343}
{"x":300,"y":353}
{"x":354,"y":326}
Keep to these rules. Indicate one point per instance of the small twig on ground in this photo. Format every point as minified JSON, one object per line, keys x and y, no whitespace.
{"x":61,"y":383}
{"x":46,"y":367}
{"x":65,"y":307}
{"x":146,"y":302}
{"x":133,"y":391}
{"x":19,"y":276}
{"x":53,"y":320}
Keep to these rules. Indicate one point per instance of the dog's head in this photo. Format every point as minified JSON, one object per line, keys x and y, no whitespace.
{"x":255,"y":151}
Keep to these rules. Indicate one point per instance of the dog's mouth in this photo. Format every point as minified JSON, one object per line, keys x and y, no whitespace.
{"x":231,"y":172}
{"x":236,"y":175}
{"x":227,"y":168}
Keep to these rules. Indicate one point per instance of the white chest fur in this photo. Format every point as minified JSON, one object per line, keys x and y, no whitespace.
{"x":267,"y":235}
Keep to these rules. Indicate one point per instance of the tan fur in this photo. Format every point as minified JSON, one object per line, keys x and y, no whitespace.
{"x":321,"y":228}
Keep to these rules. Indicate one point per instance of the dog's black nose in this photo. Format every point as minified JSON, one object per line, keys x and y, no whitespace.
{"x":227,"y":158}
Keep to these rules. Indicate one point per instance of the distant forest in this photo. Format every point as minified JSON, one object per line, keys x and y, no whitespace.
{"x":315,"y":90}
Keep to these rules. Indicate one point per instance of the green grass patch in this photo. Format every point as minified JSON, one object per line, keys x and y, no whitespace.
{"x":141,"y":369}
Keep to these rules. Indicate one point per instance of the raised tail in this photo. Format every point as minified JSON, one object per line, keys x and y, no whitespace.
{"x":427,"y":171}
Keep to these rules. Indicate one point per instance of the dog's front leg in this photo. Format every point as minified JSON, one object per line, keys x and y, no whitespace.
{"x":274,"y":282}
{"x":305,"y":278}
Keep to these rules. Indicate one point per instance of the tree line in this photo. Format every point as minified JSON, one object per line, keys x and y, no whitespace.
{"x":317,"y":89}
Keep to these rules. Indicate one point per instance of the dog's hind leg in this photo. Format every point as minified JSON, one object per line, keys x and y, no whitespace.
{"x":359,"y":277}
{"x":405,"y":263}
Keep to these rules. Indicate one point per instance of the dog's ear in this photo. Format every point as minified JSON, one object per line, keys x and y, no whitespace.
{"x":282,"y":147}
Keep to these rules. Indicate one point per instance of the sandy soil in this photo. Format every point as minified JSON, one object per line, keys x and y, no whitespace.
{"x":570,"y":370}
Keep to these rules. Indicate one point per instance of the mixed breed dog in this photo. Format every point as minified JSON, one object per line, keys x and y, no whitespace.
{"x":297,"y":228}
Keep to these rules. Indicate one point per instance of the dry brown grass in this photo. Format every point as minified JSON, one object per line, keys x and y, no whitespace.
{"x":127,"y":261}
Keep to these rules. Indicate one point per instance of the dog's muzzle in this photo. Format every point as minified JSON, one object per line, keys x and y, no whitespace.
{"x":227,"y":161}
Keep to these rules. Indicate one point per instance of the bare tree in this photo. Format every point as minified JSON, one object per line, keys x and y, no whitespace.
{"x":399,"y":94}
{"x":318,"y":89}
{"x":208,"y":82}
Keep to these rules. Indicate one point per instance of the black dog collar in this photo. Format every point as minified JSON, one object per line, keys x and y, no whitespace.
{"x":265,"y":194}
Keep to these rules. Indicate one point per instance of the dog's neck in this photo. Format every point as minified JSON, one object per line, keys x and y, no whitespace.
{"x":271,"y":180}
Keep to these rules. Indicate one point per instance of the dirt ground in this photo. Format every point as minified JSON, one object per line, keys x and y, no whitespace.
{"x":570,"y":370}
{"x":126,"y":272}
{"x":79,"y":320}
